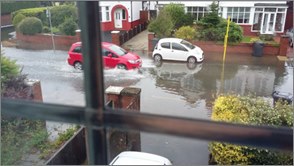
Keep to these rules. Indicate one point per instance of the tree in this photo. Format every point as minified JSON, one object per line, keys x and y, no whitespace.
{"x":212,"y":18}
{"x":178,"y":16}
{"x":162,"y":26}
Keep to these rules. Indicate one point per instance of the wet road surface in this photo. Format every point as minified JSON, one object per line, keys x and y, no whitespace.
{"x":168,"y":88}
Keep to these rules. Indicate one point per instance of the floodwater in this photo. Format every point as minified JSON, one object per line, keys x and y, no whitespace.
{"x":168,"y":88}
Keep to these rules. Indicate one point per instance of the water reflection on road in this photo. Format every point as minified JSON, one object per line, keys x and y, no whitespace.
{"x":168,"y":88}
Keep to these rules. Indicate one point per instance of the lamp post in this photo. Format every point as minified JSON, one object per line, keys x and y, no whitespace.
{"x":48,"y":14}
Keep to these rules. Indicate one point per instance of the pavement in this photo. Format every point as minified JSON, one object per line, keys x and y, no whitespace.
{"x":138,"y":42}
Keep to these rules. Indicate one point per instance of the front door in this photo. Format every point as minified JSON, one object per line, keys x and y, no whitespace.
{"x":118,"y":18}
{"x":268,"y":23}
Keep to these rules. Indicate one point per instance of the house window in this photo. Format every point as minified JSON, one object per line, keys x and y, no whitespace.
{"x":280,"y":19}
{"x":197,"y":12}
{"x":239,"y":14}
{"x":123,"y":14}
{"x":107,"y":13}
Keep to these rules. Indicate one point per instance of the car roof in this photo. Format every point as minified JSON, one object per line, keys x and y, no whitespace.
{"x":139,"y":158}
{"x":170,"y":40}
{"x":105,"y":44}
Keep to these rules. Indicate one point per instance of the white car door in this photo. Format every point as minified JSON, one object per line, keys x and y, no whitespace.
{"x":165,"y":50}
{"x":179,"y":52}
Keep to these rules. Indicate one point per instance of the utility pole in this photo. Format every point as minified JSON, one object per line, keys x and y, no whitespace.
{"x":48,"y":13}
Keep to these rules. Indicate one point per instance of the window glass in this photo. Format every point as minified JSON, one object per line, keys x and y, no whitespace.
{"x":281,"y":9}
{"x":197,"y":12}
{"x":165,"y":45}
{"x":239,"y":14}
{"x":177,"y":46}
{"x":100,"y":13}
{"x":78,"y":49}
{"x":123,"y":14}
{"x":279,"y":21}
{"x":258,"y":9}
{"x":107,"y":13}
{"x":188,"y":44}
{"x":118,"y":50}
{"x":257,"y":21}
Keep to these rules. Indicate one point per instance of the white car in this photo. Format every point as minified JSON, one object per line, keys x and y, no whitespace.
{"x":139,"y":158}
{"x":177,"y":49}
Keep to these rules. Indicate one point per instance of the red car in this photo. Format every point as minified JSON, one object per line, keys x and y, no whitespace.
{"x":113,"y":56}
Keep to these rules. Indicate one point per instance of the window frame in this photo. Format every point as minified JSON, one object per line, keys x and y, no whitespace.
{"x":96,"y":117}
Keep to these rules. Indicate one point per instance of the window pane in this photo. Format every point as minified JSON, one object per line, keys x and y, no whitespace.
{"x":165,"y":45}
{"x":189,"y":9}
{"x":279,"y":21}
{"x":257,"y":21}
{"x":246,"y":18}
{"x":123,"y":14}
{"x":247,"y":9}
{"x":177,"y":46}
{"x":230,"y":9}
{"x":259,"y":9}
{"x":281,"y":9}
{"x":270,"y":9}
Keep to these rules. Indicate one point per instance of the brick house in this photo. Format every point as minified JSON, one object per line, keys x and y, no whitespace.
{"x":264,"y":17}
{"x":120,"y":15}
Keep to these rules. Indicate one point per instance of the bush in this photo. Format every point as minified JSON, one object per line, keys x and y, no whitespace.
{"x":255,"y":111}
{"x":235,"y":32}
{"x":30,"y":26}
{"x":40,"y":13}
{"x":266,"y":37}
{"x":211,"y":19}
{"x":68,"y":27}
{"x":60,"y":13}
{"x":9,"y":69}
{"x":178,"y":16}
{"x":186,"y":32}
{"x":17,"y":19}
{"x":162,"y":26}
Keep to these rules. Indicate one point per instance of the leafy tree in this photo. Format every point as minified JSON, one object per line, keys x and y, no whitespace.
{"x":60,"y":13}
{"x":162,"y":26}
{"x":178,"y":16}
{"x":212,"y":18}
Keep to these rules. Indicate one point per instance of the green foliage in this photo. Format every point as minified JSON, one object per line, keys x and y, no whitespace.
{"x":17,"y":19}
{"x":211,"y":19}
{"x":266,"y":37}
{"x":68,"y":27}
{"x":60,"y":13}
{"x":30,"y":26}
{"x":55,"y":30}
{"x":186,"y":32}
{"x":255,"y":111}
{"x":18,"y":137}
{"x":40,"y":13}
{"x":178,"y":16}
{"x":11,"y":6}
{"x":162,"y":26}
{"x":9,"y":69}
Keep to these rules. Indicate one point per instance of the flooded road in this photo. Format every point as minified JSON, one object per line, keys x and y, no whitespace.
{"x":168,"y":88}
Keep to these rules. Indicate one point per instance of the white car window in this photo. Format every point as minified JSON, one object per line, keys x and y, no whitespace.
{"x":177,"y":46}
{"x":165,"y":45}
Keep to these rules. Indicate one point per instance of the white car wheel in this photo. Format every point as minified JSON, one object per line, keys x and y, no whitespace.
{"x":157,"y":58}
{"x":192,"y":60}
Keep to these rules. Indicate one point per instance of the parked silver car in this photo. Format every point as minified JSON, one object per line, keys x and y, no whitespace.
{"x":290,"y":34}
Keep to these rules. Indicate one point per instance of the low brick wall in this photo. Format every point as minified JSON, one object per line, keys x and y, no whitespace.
{"x":44,"y":41}
{"x":242,"y":48}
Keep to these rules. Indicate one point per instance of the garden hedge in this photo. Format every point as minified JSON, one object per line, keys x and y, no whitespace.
{"x":30,"y":26}
{"x":254,"y":111}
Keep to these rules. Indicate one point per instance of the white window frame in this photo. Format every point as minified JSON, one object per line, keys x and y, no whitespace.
{"x":232,"y":13}
{"x":197,"y":11}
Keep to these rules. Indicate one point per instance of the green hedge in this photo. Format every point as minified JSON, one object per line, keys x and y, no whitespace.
{"x":17,"y":19}
{"x":60,"y":13}
{"x":9,"y":7}
{"x":30,"y":26}
{"x":186,"y":32}
{"x":68,"y":27}
{"x":40,"y":13}
{"x":255,"y":111}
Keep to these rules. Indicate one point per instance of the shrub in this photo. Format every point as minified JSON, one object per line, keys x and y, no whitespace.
{"x":60,"y":13}
{"x":162,"y":26}
{"x":211,"y":19}
{"x":40,"y":13}
{"x":68,"y":27}
{"x":17,"y":19}
{"x":9,"y":69}
{"x":235,"y":32}
{"x":255,"y":111}
{"x":266,"y":37}
{"x":178,"y":16}
{"x":30,"y":26}
{"x":186,"y":32}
